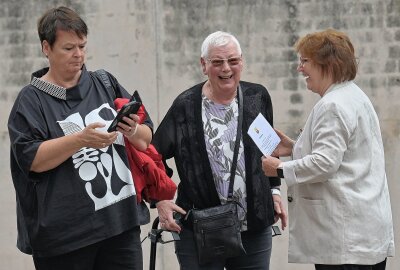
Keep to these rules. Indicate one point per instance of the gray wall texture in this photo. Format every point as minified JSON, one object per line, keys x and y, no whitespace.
{"x":154,"y":46}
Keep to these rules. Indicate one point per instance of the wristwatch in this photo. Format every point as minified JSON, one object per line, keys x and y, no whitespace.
{"x":279,"y":172}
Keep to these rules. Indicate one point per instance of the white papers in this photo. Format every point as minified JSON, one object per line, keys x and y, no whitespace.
{"x":263,"y":135}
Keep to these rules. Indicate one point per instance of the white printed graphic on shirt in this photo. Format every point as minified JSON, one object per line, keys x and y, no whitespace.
{"x":90,"y":161}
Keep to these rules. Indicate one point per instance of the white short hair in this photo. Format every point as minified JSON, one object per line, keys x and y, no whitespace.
{"x":218,"y":39}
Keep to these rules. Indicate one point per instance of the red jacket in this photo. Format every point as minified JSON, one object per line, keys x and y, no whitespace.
{"x":148,"y":171}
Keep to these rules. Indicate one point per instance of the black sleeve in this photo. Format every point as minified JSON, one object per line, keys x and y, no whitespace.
{"x":27,"y":129}
{"x":164,"y":137}
{"x":268,"y":113}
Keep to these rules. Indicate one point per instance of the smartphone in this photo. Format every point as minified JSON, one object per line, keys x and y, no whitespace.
{"x":129,"y":108}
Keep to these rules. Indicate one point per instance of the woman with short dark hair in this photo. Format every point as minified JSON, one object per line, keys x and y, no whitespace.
{"x":76,"y":200}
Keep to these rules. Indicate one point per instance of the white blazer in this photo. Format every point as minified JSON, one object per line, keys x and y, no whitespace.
{"x":338,"y":198}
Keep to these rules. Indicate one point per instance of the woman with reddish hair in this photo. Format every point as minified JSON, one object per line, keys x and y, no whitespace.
{"x":339,"y":206}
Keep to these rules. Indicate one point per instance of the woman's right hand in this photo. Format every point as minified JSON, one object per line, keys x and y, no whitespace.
{"x":93,"y":138}
{"x":166,"y":210}
{"x":285,"y":146}
{"x":52,"y":153}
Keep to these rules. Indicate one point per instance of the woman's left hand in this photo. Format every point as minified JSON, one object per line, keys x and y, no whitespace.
{"x":269,"y":165}
{"x":138,"y":135}
{"x":130,"y":129}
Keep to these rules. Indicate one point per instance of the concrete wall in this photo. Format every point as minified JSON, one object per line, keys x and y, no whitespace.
{"x":154,"y":46}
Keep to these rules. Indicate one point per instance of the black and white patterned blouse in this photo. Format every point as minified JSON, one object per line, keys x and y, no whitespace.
{"x":220,"y":128}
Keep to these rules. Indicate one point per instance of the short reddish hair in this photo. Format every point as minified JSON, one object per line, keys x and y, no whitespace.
{"x":333,"y":51}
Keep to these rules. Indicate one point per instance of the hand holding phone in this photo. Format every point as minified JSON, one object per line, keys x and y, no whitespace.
{"x":129,"y":108}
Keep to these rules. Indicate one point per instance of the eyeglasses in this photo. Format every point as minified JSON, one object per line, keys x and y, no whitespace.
{"x":233,"y":61}
{"x":303,"y":61}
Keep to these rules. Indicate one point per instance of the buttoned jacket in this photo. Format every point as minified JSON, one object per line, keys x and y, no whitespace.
{"x":339,"y":206}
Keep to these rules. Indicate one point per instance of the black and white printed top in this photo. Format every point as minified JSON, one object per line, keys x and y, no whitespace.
{"x":88,"y":198}
{"x":220,"y":131}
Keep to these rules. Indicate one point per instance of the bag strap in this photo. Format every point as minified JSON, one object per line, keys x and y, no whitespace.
{"x":101,"y":74}
{"x":237,"y":144}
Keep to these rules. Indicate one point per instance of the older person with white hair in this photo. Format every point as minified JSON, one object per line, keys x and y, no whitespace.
{"x":199,"y":132}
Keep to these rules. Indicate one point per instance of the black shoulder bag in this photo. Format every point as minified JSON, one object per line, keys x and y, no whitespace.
{"x":102,"y":76}
{"x":217,"y":229}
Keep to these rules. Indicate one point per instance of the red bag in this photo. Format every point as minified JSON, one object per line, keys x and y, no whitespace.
{"x":148,"y":171}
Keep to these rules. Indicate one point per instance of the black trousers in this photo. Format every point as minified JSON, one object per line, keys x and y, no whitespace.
{"x":379,"y":266}
{"x":121,"y":252}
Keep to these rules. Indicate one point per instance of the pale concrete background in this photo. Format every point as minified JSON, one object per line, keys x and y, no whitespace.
{"x":154,"y":46}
